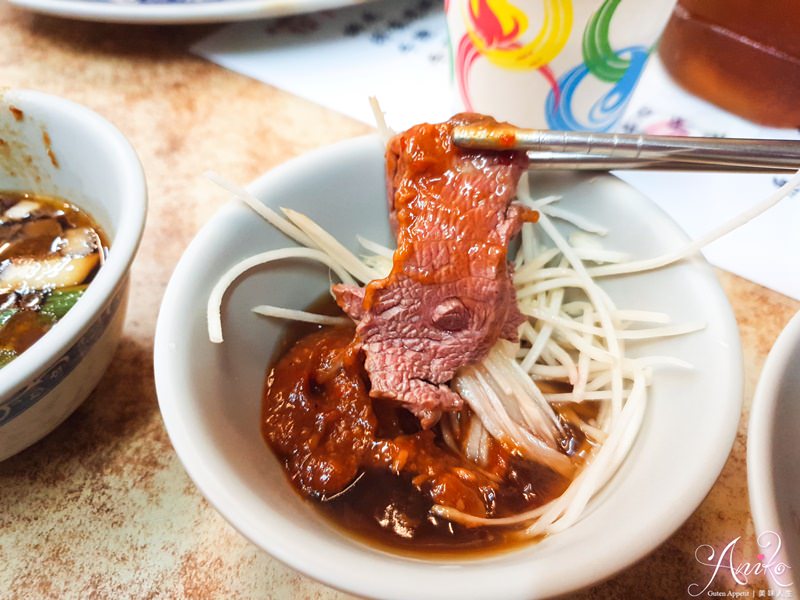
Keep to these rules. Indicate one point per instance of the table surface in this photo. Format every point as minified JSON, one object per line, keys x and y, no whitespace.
{"x":102,"y":507}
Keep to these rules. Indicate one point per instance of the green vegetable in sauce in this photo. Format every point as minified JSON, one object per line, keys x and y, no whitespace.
{"x":5,"y":315}
{"x":60,"y":301}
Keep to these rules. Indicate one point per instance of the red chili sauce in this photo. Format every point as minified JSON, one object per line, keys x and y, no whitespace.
{"x":368,"y":466}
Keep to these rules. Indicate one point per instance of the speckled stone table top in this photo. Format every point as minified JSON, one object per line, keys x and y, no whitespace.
{"x":101,"y":508}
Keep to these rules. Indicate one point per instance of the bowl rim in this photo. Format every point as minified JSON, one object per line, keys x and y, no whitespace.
{"x":304,"y":560}
{"x":761,"y":428}
{"x":209,"y":11}
{"x":132,"y":193}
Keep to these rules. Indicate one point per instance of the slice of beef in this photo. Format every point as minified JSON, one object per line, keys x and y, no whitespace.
{"x":449,"y":296}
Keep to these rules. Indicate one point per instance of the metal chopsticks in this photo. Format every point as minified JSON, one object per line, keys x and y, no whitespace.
{"x":569,"y":150}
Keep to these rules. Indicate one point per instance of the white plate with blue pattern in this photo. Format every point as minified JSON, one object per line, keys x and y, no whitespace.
{"x":177,"y":11}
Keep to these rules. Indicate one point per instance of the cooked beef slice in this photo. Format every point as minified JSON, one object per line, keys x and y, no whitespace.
{"x":449,"y":296}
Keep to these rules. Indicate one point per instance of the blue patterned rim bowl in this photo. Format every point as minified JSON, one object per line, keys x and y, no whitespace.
{"x":53,"y":146}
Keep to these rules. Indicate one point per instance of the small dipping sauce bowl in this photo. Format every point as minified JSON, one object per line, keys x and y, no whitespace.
{"x":54,"y":147}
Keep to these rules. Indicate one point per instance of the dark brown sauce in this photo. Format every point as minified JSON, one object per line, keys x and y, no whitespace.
{"x":53,"y":232}
{"x":386,"y":511}
{"x":383,"y":506}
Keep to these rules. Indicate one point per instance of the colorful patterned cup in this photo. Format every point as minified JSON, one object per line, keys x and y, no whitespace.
{"x":557,"y":64}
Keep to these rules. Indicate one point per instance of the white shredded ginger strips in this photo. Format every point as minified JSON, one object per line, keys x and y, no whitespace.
{"x":578,"y":338}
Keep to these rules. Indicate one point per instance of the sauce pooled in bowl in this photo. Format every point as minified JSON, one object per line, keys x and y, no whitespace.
{"x":50,"y":250}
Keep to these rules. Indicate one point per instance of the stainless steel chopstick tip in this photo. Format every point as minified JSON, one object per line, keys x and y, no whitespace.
{"x":496,"y":137}
{"x":618,"y":150}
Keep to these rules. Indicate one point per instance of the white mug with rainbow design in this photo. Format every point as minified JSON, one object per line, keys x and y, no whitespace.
{"x":553,"y":64}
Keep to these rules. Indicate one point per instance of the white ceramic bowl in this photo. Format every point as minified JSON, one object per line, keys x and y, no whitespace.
{"x":178,"y":11}
{"x":210,"y":395}
{"x":56,"y":147}
{"x":773,"y":459}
